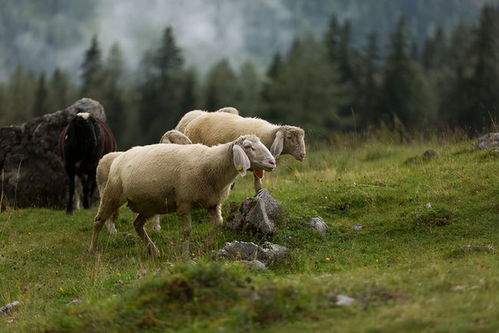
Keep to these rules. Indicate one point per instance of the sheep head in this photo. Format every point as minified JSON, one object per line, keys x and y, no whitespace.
{"x":174,"y":136}
{"x":289,"y":140}
{"x":249,"y":151}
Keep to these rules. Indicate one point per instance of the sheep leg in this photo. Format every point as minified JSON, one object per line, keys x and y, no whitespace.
{"x":258,"y":183}
{"x":106,"y":209}
{"x":186,"y":228}
{"x":217,"y":220}
{"x":139,"y":222}
{"x":111,"y":227}
{"x":156,"y":223}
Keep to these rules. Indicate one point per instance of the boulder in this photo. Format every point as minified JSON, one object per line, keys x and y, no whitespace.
{"x":317,"y":223}
{"x":255,"y":215}
{"x":267,"y":254}
{"x":32,"y":171}
{"x":430,"y":153}
{"x":488,"y":141}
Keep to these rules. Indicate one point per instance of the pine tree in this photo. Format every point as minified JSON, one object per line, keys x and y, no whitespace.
{"x":61,"y":90}
{"x":369,"y":93}
{"x":250,"y":85}
{"x":332,"y":39}
{"x":20,"y":90}
{"x":306,"y":90}
{"x":114,"y":91}
{"x":435,"y":50}
{"x":160,"y":88}
{"x":398,"y":80}
{"x":221,"y":87}
{"x":40,"y":105}
{"x":189,"y":98}
{"x":92,"y":74}
{"x":485,"y":80}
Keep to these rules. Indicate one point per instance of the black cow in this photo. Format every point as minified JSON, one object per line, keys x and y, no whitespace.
{"x":82,"y":143}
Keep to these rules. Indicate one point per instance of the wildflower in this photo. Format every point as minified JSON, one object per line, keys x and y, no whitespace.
{"x":61,"y":289}
{"x":118,"y":274}
{"x":327,"y":259}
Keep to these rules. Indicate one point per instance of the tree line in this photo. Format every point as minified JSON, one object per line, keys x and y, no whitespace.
{"x":325,"y":84}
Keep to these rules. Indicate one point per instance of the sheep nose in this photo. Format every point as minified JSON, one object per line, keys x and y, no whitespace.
{"x":272,"y":162}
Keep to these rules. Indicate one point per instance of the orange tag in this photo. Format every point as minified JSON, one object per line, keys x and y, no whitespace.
{"x":259,"y":173}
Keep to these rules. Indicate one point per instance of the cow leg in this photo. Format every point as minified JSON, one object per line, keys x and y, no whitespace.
{"x":71,"y":188}
{"x":86,"y":192}
{"x":92,"y":184}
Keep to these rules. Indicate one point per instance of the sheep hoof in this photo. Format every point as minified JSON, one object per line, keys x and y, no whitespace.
{"x":154,"y":252}
{"x":112,"y":229}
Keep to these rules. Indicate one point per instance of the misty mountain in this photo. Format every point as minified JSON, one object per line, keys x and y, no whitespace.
{"x":43,"y":35}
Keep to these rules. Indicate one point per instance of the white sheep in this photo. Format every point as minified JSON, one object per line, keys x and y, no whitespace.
{"x":159,"y":179}
{"x":191,"y":115}
{"x":104,"y":166}
{"x":211,"y":128}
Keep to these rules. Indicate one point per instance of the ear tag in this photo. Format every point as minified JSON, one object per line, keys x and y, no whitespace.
{"x":239,"y":167}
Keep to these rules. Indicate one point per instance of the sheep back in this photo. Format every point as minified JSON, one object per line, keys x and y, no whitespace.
{"x":221,"y":127}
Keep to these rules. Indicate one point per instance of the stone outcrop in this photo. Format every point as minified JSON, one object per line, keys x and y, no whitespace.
{"x":31,"y":169}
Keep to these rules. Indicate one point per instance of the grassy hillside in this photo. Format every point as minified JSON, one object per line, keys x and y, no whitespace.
{"x":406,"y":268}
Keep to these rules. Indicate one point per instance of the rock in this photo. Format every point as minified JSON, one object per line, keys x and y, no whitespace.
{"x":267,"y":254}
{"x":430,"y":153}
{"x":7,"y":308}
{"x":343,"y":300}
{"x":478,"y":248}
{"x":255,"y":264}
{"x":427,"y":205}
{"x":33,"y":171}
{"x":74,"y":301}
{"x":488,"y":140}
{"x":357,"y":227}
{"x":256,"y":215}
{"x":318,"y":224}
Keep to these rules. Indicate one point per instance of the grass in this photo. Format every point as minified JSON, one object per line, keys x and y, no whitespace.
{"x":409,"y":268}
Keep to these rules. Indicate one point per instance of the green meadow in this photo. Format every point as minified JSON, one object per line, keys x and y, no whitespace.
{"x":408,"y":268}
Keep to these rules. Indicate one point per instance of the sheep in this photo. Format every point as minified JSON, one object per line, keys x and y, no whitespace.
{"x":191,"y":115}
{"x":220,"y":127}
{"x":104,"y":166}
{"x":158,"y":179}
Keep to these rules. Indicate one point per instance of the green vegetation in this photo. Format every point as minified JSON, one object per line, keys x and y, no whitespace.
{"x":408,"y":268}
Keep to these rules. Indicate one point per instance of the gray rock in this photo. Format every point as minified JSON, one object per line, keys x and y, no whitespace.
{"x":33,"y":171}
{"x":478,"y":247}
{"x":268,"y":253}
{"x":255,"y":264}
{"x":74,"y":301}
{"x":343,"y":300}
{"x":7,"y":308}
{"x":357,"y":227}
{"x":255,"y":215}
{"x":488,"y":140}
{"x":318,"y":224}
{"x":431,"y":153}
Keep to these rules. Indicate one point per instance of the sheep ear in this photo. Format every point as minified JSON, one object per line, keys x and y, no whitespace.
{"x":241,"y":161}
{"x":278,"y":144}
